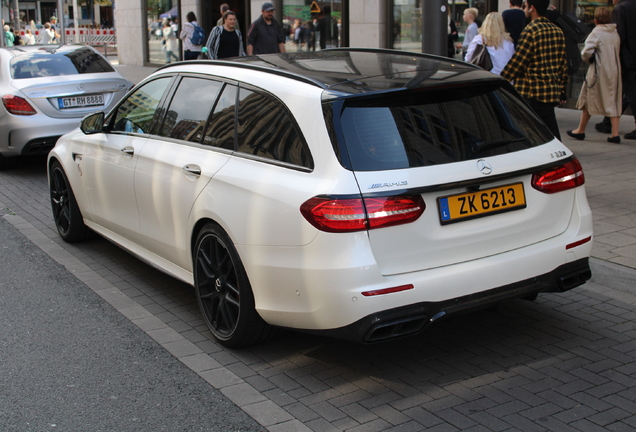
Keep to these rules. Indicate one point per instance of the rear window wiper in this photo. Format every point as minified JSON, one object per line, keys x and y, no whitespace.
{"x":483,"y":145}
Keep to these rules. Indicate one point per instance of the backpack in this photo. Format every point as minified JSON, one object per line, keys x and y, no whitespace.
{"x":198,"y":36}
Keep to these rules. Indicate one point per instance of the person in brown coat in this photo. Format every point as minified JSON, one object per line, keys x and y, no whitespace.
{"x":602,"y":91}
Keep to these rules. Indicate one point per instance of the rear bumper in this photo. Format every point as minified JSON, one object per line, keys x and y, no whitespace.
{"x":31,"y":135}
{"x":412,"y":319}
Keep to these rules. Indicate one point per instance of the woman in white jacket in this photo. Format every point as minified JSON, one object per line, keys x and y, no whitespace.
{"x":498,"y":43}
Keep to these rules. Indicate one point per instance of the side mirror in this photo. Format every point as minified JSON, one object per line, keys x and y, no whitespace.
{"x":93,"y":123}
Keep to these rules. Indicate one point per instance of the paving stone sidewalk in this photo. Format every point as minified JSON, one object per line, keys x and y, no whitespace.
{"x":610,"y":182}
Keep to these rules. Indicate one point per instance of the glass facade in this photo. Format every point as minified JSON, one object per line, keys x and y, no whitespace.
{"x":406,"y":28}
{"x":158,"y":14}
{"x":308,"y":27}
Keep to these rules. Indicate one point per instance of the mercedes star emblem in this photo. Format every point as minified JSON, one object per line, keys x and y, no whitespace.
{"x":484,"y":167}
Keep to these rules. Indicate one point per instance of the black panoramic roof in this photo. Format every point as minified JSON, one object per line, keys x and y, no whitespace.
{"x":353,"y":71}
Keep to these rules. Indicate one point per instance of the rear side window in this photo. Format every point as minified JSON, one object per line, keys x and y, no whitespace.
{"x":185,"y":118}
{"x":266,"y":130}
{"x":219,"y":132}
{"x":56,"y":63}
{"x":426,"y":128}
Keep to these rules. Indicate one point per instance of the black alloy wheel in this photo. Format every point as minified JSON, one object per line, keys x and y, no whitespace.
{"x":68,"y":218}
{"x":224,"y":293}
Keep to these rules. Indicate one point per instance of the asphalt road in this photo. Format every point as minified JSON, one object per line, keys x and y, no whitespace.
{"x":70,"y":362}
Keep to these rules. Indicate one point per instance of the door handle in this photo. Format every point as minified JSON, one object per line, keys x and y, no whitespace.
{"x":128,"y":151}
{"x":192,"y":169}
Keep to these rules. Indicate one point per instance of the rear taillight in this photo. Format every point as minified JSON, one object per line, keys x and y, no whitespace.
{"x":563,"y":177}
{"x":359,"y":214}
{"x":17,"y":105}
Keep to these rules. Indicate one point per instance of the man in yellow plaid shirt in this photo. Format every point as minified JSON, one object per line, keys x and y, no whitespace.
{"x":538,"y":67}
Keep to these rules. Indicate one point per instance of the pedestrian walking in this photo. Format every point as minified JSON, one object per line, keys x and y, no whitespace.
{"x":224,"y":8}
{"x":451,"y":30}
{"x":170,"y":43}
{"x":191,"y":50}
{"x":47,"y":36}
{"x":8,"y":36}
{"x":265,"y":35}
{"x":625,"y":19}
{"x":470,"y":15}
{"x":328,"y":29}
{"x":492,"y":34}
{"x":225,"y":40}
{"x":538,"y":67}
{"x":601,"y":93}
{"x":29,"y":39}
{"x":514,"y":19}
{"x":53,"y":22}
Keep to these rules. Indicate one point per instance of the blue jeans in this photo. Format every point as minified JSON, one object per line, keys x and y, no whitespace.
{"x":169,"y":55}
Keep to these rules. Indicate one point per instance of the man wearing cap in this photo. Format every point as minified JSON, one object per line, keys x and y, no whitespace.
{"x":53,"y":22}
{"x":266,"y":35}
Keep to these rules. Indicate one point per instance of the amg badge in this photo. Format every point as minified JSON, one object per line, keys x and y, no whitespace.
{"x":392,"y":184}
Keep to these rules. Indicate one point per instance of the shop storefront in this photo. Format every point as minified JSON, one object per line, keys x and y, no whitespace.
{"x":405,"y":25}
{"x":304,"y":22}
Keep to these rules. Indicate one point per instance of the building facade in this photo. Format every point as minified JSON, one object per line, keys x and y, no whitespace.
{"x":397,"y":24}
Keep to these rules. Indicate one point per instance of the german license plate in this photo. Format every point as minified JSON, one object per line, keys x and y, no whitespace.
{"x":81,"y":101}
{"x":470,"y":205}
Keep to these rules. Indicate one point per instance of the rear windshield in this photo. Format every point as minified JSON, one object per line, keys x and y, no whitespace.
{"x":51,"y":63}
{"x":428,"y":127}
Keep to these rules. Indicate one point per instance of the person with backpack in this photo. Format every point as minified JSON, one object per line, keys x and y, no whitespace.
{"x":193,"y":38}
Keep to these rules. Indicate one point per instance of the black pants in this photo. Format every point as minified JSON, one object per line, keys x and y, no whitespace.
{"x":629,"y":93}
{"x":545,"y":111}
{"x":191,"y":55}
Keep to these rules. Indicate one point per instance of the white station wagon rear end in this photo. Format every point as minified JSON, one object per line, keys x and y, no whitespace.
{"x":361,"y":194}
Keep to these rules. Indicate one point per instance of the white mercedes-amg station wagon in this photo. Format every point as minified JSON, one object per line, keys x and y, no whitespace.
{"x":356,"y":193}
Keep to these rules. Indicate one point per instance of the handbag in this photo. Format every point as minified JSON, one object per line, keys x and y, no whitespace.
{"x":481,"y":58}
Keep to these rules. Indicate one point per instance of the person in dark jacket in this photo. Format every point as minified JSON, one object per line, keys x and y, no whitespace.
{"x":266,"y":35}
{"x":452,"y":36}
{"x":328,"y":28}
{"x":514,"y":19}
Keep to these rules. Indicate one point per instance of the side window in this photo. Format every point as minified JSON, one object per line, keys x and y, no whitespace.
{"x":135,"y":114}
{"x":189,"y":109}
{"x":266,"y":130}
{"x":219,"y":131}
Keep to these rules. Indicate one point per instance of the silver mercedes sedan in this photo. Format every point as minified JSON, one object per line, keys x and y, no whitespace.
{"x":46,"y":90}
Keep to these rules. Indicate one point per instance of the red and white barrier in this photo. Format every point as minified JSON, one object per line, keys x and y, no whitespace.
{"x":83,"y":35}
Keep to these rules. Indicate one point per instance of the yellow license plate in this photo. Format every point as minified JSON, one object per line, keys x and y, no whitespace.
{"x":456,"y":208}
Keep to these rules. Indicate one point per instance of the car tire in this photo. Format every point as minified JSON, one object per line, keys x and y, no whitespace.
{"x":224,"y":292}
{"x":66,"y":213}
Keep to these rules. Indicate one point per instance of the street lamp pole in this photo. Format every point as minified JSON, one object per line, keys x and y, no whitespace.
{"x":60,"y":21}
{"x":16,"y":16}
{"x":435,"y":25}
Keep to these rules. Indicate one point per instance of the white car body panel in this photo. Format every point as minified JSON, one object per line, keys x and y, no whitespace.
{"x":109,"y":179}
{"x":166,"y":192}
{"x":310,"y":289}
{"x":303,"y":277}
{"x":428,"y":244}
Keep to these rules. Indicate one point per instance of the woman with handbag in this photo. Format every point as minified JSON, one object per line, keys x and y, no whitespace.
{"x":602,"y":91}
{"x":492,"y":41}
